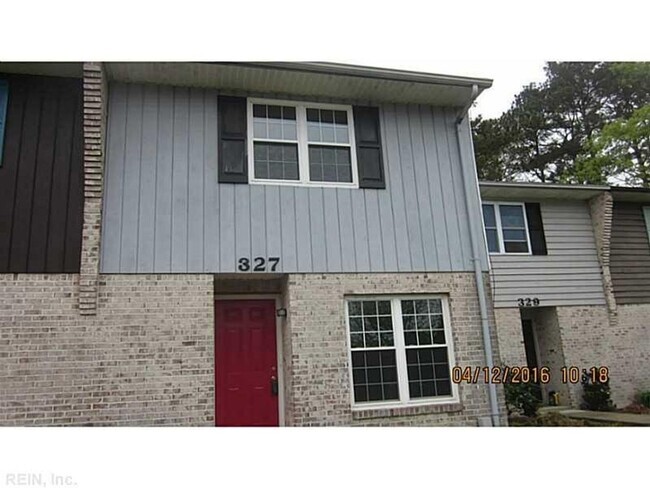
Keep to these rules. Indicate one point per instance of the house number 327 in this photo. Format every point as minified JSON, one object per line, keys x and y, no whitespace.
{"x":259,"y":264}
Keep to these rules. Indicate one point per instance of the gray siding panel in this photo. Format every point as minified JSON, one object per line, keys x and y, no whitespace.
{"x":303,"y":234}
{"x":257,"y":222}
{"x":273,"y":223}
{"x":166,"y":212}
{"x":163,"y":197}
{"x":360,"y":230}
{"x":568,"y":275}
{"x":211,"y":241}
{"x":180,"y":183}
{"x":147,"y":197}
{"x":346,"y":226}
{"x":289,"y":255}
{"x":422,"y":190}
{"x":332,"y":231}
{"x":396,"y":189}
{"x":227,"y":241}
{"x":114,"y":179}
{"x":409,"y":189}
{"x":375,"y":237}
{"x":196,"y":187}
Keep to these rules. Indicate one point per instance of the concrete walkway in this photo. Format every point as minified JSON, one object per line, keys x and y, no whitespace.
{"x":623,"y":418}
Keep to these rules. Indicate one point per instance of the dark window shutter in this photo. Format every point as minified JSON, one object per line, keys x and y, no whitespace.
{"x":233,"y":164}
{"x":368,"y":139}
{"x":536,"y":229}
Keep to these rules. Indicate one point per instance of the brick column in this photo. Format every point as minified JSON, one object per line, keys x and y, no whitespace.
{"x":95,"y":91}
{"x":601,"y":208}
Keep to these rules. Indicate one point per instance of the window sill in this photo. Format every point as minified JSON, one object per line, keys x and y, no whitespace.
{"x":305,"y":184}
{"x":405,"y":410}
{"x":510,"y":254}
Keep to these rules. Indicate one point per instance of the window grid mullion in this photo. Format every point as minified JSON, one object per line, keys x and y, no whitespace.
{"x":526,"y":231}
{"x":497,"y":212}
{"x":303,"y":151}
{"x":400,"y":350}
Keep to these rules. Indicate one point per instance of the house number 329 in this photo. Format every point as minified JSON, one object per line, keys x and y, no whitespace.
{"x":528,"y":302}
{"x":258,"y":264}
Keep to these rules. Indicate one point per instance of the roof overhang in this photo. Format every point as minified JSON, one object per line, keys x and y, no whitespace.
{"x":624,"y":194}
{"x":69,"y":70}
{"x":491,"y":190}
{"x":318,"y":80}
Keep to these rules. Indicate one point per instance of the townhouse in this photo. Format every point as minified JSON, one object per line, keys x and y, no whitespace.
{"x":241,"y":244}
{"x":570,"y":283}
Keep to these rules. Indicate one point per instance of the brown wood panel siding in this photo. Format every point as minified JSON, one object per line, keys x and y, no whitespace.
{"x":41,"y":194}
{"x":630,"y":254}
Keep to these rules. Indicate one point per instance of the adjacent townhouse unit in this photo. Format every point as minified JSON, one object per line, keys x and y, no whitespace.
{"x":628,"y":278}
{"x":241,"y":244}
{"x":554,"y":255}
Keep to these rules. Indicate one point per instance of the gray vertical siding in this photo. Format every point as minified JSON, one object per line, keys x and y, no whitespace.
{"x":568,"y":275}
{"x":166,"y":213}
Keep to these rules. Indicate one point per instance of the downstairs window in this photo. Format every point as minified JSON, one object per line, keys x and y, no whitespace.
{"x":400,"y":351}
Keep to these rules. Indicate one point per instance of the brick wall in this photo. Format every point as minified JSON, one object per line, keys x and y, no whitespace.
{"x":146,"y":358}
{"x":601,"y":208}
{"x":511,"y":337}
{"x":319,"y":390}
{"x":94,"y":129}
{"x":631,"y":351}
{"x":585,"y":337}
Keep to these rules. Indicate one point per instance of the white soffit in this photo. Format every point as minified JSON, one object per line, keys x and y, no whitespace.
{"x":318,"y":80}
{"x":538,"y":191}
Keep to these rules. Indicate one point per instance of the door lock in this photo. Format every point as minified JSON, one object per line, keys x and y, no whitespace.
{"x":274,"y":386}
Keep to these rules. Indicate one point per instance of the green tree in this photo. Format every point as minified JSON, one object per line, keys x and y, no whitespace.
{"x":620,"y":150}
{"x":490,"y":137}
{"x":551,"y":125}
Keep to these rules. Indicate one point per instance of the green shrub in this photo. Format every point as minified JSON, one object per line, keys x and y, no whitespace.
{"x":644,"y":398}
{"x":523,"y":398}
{"x":596,"y":396}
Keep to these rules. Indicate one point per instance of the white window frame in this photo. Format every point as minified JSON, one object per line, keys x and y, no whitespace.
{"x":303,"y":144}
{"x":497,"y":215}
{"x":400,"y":353}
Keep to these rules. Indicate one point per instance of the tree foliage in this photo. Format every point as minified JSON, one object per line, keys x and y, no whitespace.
{"x":552,"y":127}
{"x":620,"y":152}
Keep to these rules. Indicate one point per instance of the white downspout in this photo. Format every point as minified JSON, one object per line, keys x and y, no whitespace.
{"x":470,"y":183}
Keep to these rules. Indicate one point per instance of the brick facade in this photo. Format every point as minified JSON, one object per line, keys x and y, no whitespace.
{"x":584,"y":337}
{"x":601,"y":208}
{"x":510,"y":336}
{"x":318,"y":391}
{"x":94,"y":129}
{"x":632,"y":349}
{"x":146,"y":358}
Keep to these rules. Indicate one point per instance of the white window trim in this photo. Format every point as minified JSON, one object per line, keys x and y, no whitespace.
{"x":303,"y":144}
{"x":400,"y":353}
{"x":497,"y":216}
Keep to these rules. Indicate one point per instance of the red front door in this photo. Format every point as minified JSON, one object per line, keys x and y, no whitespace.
{"x":246,"y":363}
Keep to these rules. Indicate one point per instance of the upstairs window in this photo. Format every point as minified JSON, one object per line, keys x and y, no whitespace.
{"x":506,"y":228}
{"x":301,"y":143}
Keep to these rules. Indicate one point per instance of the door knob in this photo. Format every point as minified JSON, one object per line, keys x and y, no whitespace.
{"x":274,"y":386}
